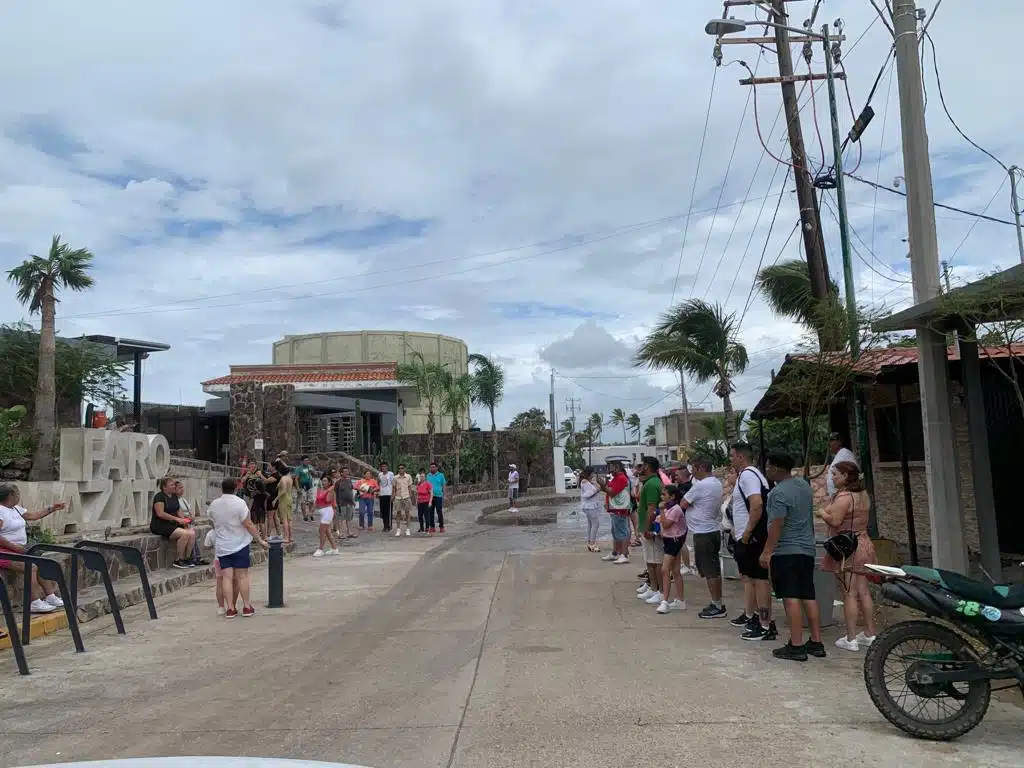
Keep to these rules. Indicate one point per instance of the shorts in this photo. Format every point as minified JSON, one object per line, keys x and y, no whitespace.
{"x":163,"y":528}
{"x":707,"y":552}
{"x":793,"y":577}
{"x":620,"y":527}
{"x":748,"y":559}
{"x":674,"y":546}
{"x":403,"y":506}
{"x":654,"y":551}
{"x":239,"y":559}
{"x":326,"y":515}
{"x":307,"y":495}
{"x":513,"y":493}
{"x":346,"y":513}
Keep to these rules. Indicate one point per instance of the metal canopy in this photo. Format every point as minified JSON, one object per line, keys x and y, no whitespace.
{"x":127,"y":349}
{"x":997,"y":297}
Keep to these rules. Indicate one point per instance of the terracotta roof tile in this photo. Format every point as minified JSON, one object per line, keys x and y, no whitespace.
{"x":307,"y":374}
{"x":873,"y":361}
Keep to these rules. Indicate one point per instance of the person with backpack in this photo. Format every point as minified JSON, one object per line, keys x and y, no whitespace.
{"x":750,"y":533}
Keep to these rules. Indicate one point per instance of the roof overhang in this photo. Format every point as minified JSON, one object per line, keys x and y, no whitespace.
{"x":126,"y":349}
{"x":313,"y":386}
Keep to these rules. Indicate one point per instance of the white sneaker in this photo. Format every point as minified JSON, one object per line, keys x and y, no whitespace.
{"x":609,"y":557}
{"x":846,"y":644}
{"x":221,"y":610}
{"x":646,"y":594}
{"x":56,"y":602}
{"x":398,"y":533}
{"x":664,"y":607}
{"x":41,"y":606}
{"x":677,"y":605}
{"x":332,"y":552}
{"x":864,"y":640}
{"x":655,"y":598}
{"x":318,"y":553}
{"x":407,"y":532}
{"x":621,"y":560}
{"x":643,"y":588}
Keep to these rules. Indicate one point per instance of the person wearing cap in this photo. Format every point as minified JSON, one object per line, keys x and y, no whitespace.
{"x":840,"y":453}
{"x":513,"y":485}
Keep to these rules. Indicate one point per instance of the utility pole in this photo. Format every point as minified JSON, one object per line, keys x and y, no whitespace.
{"x":1013,"y":171}
{"x":551,"y":406}
{"x":572,"y":403}
{"x":686,"y":408}
{"x":941,"y":471}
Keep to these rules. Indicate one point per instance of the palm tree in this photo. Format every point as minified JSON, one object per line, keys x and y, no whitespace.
{"x":715,"y":425}
{"x":38,"y":280}
{"x":699,"y":338}
{"x":488,"y":390}
{"x":633,"y":422}
{"x":650,"y":433}
{"x":618,"y":419}
{"x":455,"y":402}
{"x":594,"y":424}
{"x":566,"y":429}
{"x":430,"y":380}
{"x":787,"y":289}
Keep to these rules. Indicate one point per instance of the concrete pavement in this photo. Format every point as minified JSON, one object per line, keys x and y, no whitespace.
{"x":493,"y":646}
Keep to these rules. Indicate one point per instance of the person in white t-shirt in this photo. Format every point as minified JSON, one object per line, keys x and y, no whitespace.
{"x":14,"y":539}
{"x":839,"y":453}
{"x":233,"y":532}
{"x":702,"y":504}
{"x":386,"y":481}
{"x":750,"y":534}
{"x":513,"y":485}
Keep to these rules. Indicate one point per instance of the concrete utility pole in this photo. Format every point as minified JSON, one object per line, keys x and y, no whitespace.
{"x":1013,"y":171}
{"x":810,"y":218}
{"x":551,"y":406}
{"x":573,"y":403}
{"x":686,"y":407}
{"x":941,"y":470}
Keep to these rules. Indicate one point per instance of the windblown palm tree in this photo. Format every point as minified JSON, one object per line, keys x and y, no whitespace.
{"x":38,"y":280}
{"x":430,"y":380}
{"x":455,"y":402}
{"x":566,"y":429}
{"x":488,"y":390}
{"x":787,"y":289}
{"x":698,"y":338}
{"x":633,"y":422}
{"x":650,"y":433}
{"x":618,"y":419}
{"x":715,"y":425}
{"x":594,"y":424}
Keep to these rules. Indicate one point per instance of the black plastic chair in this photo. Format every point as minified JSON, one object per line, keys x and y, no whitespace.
{"x":132,"y":557}
{"x":92,"y":560}
{"x":12,"y":628}
{"x":48,"y":569}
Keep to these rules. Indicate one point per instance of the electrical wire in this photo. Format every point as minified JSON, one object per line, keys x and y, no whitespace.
{"x":814,"y":113}
{"x":831,"y":209}
{"x":953,"y":208}
{"x":881,"y":15}
{"x":753,"y":283}
{"x":975,"y":222}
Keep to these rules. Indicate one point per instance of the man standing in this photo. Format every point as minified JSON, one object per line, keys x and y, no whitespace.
{"x":654,"y":550}
{"x":513,"y":485}
{"x":790,"y":552}
{"x":345,"y":500}
{"x":386,"y":480}
{"x":403,"y":500}
{"x":304,"y":482}
{"x":702,"y":504}
{"x":839,"y":453}
{"x":618,"y":493}
{"x":750,"y":532}
{"x":437,"y":482}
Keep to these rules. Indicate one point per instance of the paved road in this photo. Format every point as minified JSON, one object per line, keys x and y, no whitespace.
{"x":495,"y":646}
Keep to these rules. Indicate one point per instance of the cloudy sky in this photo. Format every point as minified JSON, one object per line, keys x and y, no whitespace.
{"x":514,"y":174}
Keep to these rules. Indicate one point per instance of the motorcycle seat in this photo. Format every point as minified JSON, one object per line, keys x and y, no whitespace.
{"x":1004,"y":596}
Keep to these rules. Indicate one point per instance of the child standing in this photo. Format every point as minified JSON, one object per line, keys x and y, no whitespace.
{"x":672,"y":520}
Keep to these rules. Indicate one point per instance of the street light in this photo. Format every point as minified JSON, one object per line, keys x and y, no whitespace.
{"x":720,"y":27}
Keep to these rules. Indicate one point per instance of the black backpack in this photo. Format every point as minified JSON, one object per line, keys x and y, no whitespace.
{"x":760,"y":531}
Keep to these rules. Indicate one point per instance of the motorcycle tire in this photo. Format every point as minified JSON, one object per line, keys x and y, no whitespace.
{"x":975,"y":702}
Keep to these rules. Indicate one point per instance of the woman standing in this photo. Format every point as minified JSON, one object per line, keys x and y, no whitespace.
{"x":367,"y":488}
{"x":256,"y":489}
{"x":592,"y":505}
{"x":424,"y":498}
{"x":14,"y":538}
{"x":848,"y":510}
{"x":233,"y":532}
{"x":325,"y":510}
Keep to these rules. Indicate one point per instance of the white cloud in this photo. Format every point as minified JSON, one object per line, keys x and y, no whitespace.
{"x":244,"y":170}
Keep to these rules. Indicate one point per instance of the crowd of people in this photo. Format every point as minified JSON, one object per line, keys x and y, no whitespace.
{"x":766,"y":523}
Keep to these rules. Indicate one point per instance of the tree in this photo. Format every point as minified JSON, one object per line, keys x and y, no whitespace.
{"x":532,"y":420}
{"x":566,"y":430}
{"x":38,"y":281}
{"x":633,"y":422}
{"x":531,"y":444}
{"x":595,"y":422}
{"x":455,"y":402}
{"x":650,"y":434}
{"x":488,"y":390}
{"x":699,"y":338}
{"x":430,"y":380}
{"x":715,"y":426}
{"x":618,"y":419}
{"x":787,"y":289}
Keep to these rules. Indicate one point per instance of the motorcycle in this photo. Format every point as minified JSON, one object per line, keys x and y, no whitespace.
{"x":944,"y":671}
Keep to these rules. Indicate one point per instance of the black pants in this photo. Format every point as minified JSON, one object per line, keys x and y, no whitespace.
{"x":437,"y":508}
{"x":423,"y":512}
{"x":385,"y":512}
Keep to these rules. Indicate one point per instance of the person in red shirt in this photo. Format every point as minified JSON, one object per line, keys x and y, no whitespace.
{"x":424,"y":495}
{"x":618,"y":493}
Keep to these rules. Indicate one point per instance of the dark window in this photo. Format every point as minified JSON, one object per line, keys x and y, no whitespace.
{"x":888,"y":436}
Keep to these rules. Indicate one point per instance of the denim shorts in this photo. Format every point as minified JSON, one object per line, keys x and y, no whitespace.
{"x":620,"y":528}
{"x":239,"y":559}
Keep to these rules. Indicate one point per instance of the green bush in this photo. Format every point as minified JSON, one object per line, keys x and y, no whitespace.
{"x":14,"y":442}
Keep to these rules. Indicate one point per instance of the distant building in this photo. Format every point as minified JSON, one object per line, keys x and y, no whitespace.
{"x":632,"y":454}
{"x":668,"y":430}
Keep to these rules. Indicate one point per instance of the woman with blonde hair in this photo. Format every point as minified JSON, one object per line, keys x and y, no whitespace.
{"x":285,"y":507}
{"x":847,"y":511}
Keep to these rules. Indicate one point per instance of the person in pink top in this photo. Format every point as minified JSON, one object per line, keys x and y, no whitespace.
{"x":672,"y":520}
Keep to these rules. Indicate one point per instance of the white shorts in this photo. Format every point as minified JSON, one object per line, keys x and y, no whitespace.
{"x":326,"y":515}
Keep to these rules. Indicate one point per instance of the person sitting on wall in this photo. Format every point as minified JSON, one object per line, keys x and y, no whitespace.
{"x":168,"y":521}
{"x":14,"y":538}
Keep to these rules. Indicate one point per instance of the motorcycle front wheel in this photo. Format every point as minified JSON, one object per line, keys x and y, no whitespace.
{"x":938,"y":712}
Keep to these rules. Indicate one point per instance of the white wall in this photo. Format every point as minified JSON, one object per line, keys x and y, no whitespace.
{"x":559,"y":464}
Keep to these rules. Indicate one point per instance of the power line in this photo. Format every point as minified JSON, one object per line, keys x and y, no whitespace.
{"x":975,"y":222}
{"x":753,"y":231}
{"x":901,"y":193}
{"x":900,"y":279}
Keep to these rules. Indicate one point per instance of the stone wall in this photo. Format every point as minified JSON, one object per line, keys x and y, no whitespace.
{"x":542,"y":474}
{"x":279,"y":420}
{"x":245,"y":422}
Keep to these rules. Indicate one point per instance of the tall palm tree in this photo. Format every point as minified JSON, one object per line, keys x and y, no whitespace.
{"x":618,"y":419}
{"x":699,"y":338}
{"x":566,"y":429}
{"x":430,"y":380}
{"x":39,"y":279}
{"x":715,"y":425}
{"x":650,"y":433}
{"x":786,"y":287}
{"x":488,"y":390}
{"x":633,"y":422}
{"x":594,"y":423}
{"x":455,"y":402}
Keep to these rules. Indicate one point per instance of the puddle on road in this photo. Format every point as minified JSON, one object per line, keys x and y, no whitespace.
{"x":523,"y":520}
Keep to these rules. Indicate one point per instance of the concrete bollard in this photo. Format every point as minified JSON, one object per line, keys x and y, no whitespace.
{"x":275,"y":573}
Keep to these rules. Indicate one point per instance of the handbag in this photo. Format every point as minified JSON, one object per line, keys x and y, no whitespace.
{"x":843,"y":545}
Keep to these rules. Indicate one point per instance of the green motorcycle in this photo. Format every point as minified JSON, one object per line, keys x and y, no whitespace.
{"x":934,"y":680}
